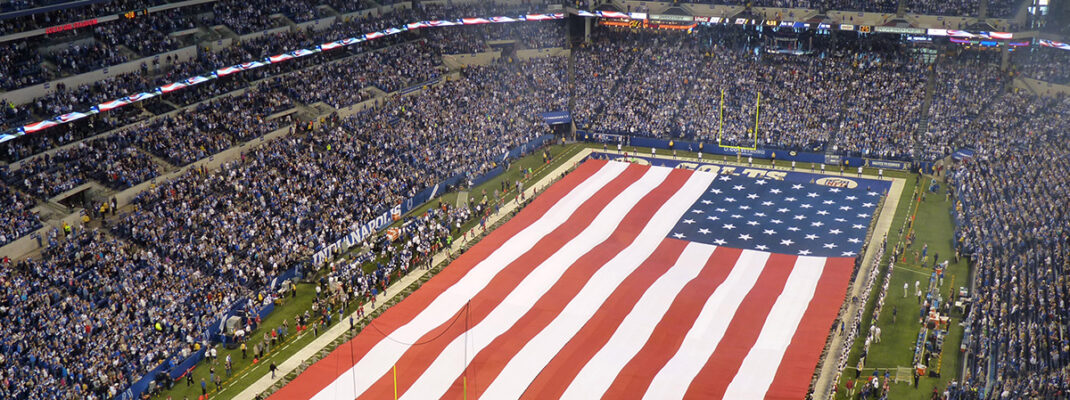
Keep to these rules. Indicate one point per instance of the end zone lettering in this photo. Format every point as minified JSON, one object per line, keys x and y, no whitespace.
{"x":725,"y":170}
{"x":67,"y":27}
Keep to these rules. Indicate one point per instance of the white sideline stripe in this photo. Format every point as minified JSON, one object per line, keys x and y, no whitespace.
{"x":672,"y":380}
{"x":384,"y":354}
{"x":763,"y":361}
{"x":440,"y":375}
{"x":601,"y":370}
{"x":526,"y":365}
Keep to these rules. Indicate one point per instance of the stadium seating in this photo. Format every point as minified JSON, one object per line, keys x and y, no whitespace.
{"x":1012,"y":223}
{"x":98,"y":309}
{"x":1043,"y":63}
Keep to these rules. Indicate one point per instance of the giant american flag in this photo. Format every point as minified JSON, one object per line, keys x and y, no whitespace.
{"x":621,"y":281}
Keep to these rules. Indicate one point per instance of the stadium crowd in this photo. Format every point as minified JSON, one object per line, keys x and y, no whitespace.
{"x":1043,"y":63}
{"x":209,"y":128}
{"x":112,"y":161}
{"x":966,"y":85}
{"x":17,"y":219}
{"x":948,"y":7}
{"x":219,"y":236}
{"x":131,"y":295}
{"x":1012,"y":221}
{"x":881,"y":109}
{"x":861,"y":95}
{"x":93,"y":314}
{"x":412,"y":59}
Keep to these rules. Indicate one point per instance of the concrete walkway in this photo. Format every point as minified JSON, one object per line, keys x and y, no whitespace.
{"x":338,"y":330}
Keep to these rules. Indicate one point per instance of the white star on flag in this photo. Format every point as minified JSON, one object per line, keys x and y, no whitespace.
{"x":739,"y":187}
{"x":793,"y":229}
{"x":707,"y":202}
{"x":725,"y":178}
{"x":796,"y":186}
{"x":862,"y":215}
{"x":812,"y":236}
{"x":835,"y":190}
{"x":729,"y":226}
{"x":804,"y":252}
{"x":736,"y":216}
{"x":816,"y":223}
{"x":789,"y":199}
{"x":760,"y":182}
{"x":752,"y":223}
{"x":829,"y":245}
{"x":720,"y":242}
{"x":704,"y":231}
{"x":858,"y":226}
{"x":697,"y":211}
{"x":712,"y":218}
{"x":800,"y":217}
{"x":811,"y":194}
{"x":867,"y":205}
{"x":873,"y":194}
{"x":783,"y":210}
{"x":841,"y":220}
{"x":774,"y":191}
{"x":767,"y":203}
{"x":822,"y":212}
{"x":729,"y":199}
{"x":786,"y":242}
{"x":829,"y":202}
{"x":851,"y":197}
{"x":744,"y":207}
{"x":759,"y":214}
{"x":853,"y":240}
{"x":678,"y":235}
{"x":745,"y":236}
{"x":835,"y":231}
{"x":848,"y":254}
{"x":776,"y":221}
{"x":761,"y":247}
{"x":806,"y":206}
{"x":689,"y":221}
{"x":720,"y":209}
{"x":752,"y":196}
{"x":845,"y":208}
{"x":715,"y":191}
{"x":769,"y":232}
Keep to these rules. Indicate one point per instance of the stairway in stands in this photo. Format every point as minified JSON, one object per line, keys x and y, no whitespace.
{"x":923,"y":119}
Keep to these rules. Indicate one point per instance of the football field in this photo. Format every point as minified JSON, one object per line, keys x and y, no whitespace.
{"x":650,"y":278}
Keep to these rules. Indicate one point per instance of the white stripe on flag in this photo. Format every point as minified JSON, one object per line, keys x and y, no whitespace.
{"x":378,"y":361}
{"x":438,"y":377}
{"x":763,"y":360}
{"x":634,"y":331}
{"x":526,"y":365}
{"x":709,"y":328}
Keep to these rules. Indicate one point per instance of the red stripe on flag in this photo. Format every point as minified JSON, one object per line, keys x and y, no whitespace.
{"x":418,"y":358}
{"x":713,"y":379}
{"x":325,"y":371}
{"x":492,"y":359}
{"x":792,"y":379}
{"x":663,"y":341}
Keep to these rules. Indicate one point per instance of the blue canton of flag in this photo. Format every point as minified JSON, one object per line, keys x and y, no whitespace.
{"x":780,"y":217}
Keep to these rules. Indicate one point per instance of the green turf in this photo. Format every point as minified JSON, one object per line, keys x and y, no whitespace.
{"x":933,"y":225}
{"x":287,"y":311}
{"x":245,"y":373}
